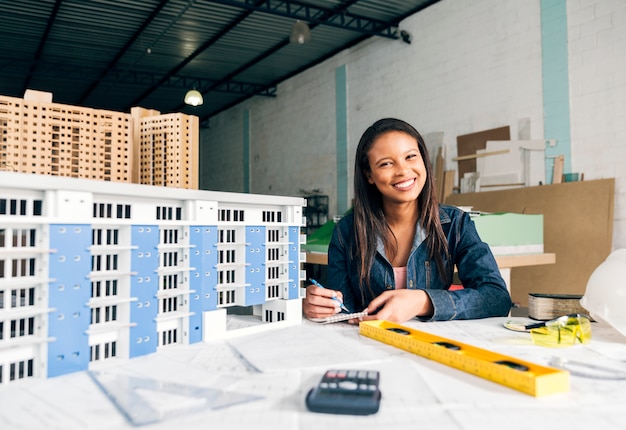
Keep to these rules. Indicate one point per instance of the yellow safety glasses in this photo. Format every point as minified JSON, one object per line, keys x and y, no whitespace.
{"x":564,"y":331}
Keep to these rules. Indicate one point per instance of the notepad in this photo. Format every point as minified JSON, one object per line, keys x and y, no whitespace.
{"x":339,"y":317}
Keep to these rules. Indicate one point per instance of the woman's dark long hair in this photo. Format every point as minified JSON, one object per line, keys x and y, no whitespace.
{"x":369,"y":219}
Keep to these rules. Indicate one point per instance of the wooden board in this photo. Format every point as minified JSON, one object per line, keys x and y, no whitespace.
{"x":448,"y":184}
{"x":439,"y":173}
{"x":557,"y":173}
{"x":578,"y":228}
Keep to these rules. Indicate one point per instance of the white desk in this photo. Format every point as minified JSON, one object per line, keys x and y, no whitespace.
{"x":280,"y":366}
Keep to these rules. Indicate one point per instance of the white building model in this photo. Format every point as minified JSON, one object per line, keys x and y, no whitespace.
{"x":92,"y":271}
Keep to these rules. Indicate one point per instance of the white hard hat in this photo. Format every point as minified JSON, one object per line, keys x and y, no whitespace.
{"x":605,"y":296}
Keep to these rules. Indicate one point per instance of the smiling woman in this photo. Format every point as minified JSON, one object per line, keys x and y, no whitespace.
{"x":394,"y":255}
{"x":397,"y":168}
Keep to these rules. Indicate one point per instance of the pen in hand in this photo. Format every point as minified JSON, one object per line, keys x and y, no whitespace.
{"x":317,"y":284}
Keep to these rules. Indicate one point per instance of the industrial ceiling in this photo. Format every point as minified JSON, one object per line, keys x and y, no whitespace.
{"x":116,"y":54}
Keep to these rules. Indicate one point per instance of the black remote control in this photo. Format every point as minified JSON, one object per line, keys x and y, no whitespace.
{"x":341,"y":391}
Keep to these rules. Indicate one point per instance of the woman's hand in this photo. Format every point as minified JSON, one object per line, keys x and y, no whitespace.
{"x":319,"y":302}
{"x":399,"y":305}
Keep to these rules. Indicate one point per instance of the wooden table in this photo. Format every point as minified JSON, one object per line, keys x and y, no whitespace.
{"x":505,"y":262}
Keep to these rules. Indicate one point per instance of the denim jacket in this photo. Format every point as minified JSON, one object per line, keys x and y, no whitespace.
{"x":484,"y":292}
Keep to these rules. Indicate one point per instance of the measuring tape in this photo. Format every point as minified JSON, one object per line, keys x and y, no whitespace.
{"x":520,"y":375}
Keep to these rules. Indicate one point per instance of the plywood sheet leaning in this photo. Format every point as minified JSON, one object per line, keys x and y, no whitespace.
{"x":448,"y":184}
{"x":557,"y":173}
{"x":578,"y":228}
{"x":439,"y":176}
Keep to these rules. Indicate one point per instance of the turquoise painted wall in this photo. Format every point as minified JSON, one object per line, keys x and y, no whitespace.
{"x":341,"y":112}
{"x":555,"y":74}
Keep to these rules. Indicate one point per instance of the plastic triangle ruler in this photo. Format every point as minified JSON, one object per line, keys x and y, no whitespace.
{"x":512,"y":372}
{"x":131,"y":395}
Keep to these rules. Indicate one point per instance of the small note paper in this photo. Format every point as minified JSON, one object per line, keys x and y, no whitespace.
{"x":339,"y":317}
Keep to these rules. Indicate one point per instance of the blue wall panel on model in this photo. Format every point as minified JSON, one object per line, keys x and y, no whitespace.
{"x":144,"y":286}
{"x":256,"y":267}
{"x":202,"y":277}
{"x":69,"y":293}
{"x":294,"y":266}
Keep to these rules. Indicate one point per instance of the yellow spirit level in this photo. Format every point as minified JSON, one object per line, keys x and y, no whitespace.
{"x":514,"y":373}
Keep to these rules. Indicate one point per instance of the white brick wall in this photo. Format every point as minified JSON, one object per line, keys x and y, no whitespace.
{"x":597,"y":73}
{"x":471,"y":66}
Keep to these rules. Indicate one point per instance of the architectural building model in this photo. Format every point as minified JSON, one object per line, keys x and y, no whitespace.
{"x":94,"y":271}
{"x":143,"y":146}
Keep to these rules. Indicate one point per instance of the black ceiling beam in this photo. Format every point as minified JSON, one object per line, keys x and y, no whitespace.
{"x":186,"y":82}
{"x":338,"y":11}
{"x":42,"y":43}
{"x":110,"y":67}
{"x":227,"y":78}
{"x":317,"y":15}
{"x":131,"y":77}
{"x":206,"y":45}
{"x":204,"y":120}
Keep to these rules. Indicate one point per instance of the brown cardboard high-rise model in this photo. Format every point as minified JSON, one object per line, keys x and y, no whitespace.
{"x":145,"y":147}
